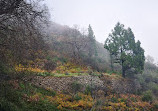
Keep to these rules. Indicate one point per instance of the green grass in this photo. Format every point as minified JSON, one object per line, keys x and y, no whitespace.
{"x":70,"y":74}
{"x":45,"y":74}
{"x":112,"y":75}
{"x":67,"y":74}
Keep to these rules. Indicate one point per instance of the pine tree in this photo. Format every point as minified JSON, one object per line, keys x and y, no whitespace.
{"x":92,"y":42}
{"x":124,"y":50}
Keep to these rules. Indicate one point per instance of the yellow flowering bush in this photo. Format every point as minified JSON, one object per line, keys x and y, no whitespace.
{"x":21,"y":68}
{"x":67,"y":101}
{"x":125,"y":102}
{"x":70,"y":68}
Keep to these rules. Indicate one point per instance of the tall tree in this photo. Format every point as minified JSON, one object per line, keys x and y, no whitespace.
{"x":92,"y":42}
{"x":124,"y":50}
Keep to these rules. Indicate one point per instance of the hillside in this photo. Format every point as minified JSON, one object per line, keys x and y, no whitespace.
{"x":56,"y":81}
{"x":63,"y":78}
{"x":45,"y":66}
{"x":87,"y":92}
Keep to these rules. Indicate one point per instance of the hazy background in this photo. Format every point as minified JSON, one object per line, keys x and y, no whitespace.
{"x":140,"y":15}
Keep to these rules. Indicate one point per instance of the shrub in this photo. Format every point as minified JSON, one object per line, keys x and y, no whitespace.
{"x":154,"y":87}
{"x":63,"y":60}
{"x":90,"y":71}
{"x":114,"y":100}
{"x":3,"y":68}
{"x":156,"y":106}
{"x":76,"y":86}
{"x":50,"y":65}
{"x":101,"y":75}
{"x":21,"y":85}
{"x":99,"y":102}
{"x":47,"y":92}
{"x":66,"y":73}
{"x":88,"y":90}
{"x":44,"y":74}
{"x":43,"y":105}
{"x":147,"y":96}
{"x":77,"y":97}
{"x":6,"y":105}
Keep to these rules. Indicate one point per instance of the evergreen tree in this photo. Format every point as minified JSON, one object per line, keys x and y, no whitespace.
{"x":124,"y":50}
{"x":92,"y":42}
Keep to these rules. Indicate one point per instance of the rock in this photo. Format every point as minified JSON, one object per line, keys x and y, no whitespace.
{"x":105,"y":83}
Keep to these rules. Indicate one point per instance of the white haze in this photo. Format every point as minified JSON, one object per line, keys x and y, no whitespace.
{"x":140,"y":15}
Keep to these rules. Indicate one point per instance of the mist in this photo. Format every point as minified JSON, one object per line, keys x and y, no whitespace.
{"x":73,"y":55}
{"x":141,"y":16}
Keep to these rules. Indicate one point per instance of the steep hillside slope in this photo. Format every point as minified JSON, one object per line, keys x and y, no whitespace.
{"x":64,"y":77}
{"x":72,"y":93}
{"x":74,"y":45}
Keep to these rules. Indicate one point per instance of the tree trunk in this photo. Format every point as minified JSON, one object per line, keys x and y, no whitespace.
{"x":112,"y":67}
{"x":123,"y":72}
{"x":123,"y":69}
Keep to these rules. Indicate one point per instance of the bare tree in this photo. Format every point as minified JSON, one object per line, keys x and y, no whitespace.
{"x":20,"y":27}
{"x":76,"y":43}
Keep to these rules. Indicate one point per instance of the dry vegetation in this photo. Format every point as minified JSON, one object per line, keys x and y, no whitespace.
{"x":35,"y":62}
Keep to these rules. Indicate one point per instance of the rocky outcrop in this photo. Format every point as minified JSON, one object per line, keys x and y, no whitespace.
{"x":93,"y":81}
{"x":116,"y":84}
{"x":64,"y":83}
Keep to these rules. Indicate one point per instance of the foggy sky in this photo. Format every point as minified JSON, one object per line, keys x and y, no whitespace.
{"x":140,"y":15}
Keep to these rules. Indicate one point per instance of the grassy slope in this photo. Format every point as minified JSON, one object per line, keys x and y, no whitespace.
{"x":17,"y":95}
